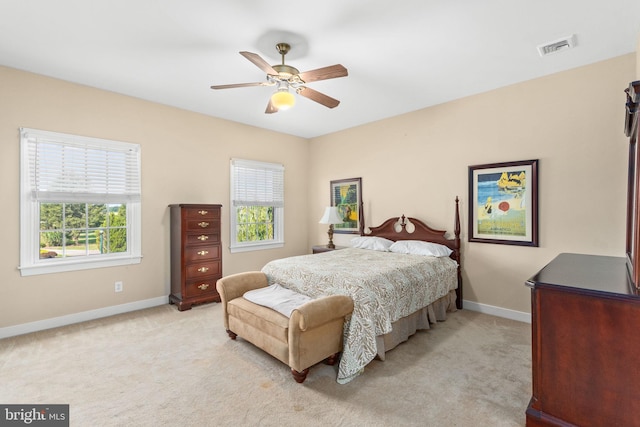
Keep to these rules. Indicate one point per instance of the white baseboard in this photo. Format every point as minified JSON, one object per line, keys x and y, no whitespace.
{"x":55,"y":322}
{"x":520,"y":316}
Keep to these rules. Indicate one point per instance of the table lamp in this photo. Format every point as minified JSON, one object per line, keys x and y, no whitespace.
{"x":331,"y":216}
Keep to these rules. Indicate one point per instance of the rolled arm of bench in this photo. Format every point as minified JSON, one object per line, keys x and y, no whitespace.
{"x":235,"y":285}
{"x":320,"y":311}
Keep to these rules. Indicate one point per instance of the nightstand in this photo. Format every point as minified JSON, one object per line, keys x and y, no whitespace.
{"x":323,"y":248}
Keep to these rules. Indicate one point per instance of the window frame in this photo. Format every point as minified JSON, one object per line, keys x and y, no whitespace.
{"x":30,"y":261}
{"x":278,"y":208}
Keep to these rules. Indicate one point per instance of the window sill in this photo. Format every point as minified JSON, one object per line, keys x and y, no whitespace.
{"x":63,"y":266}
{"x":256,"y":247}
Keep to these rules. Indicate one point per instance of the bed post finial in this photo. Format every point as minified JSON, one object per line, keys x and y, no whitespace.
{"x":456,"y":226}
{"x":361,"y":230}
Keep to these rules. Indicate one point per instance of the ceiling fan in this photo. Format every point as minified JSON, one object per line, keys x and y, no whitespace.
{"x":287,"y":78}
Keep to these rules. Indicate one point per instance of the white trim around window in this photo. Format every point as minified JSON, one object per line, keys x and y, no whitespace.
{"x":62,"y":168}
{"x":255,"y":183}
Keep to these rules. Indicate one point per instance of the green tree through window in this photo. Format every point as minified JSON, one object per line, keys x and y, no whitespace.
{"x":80,"y":229}
{"x":254,"y":223}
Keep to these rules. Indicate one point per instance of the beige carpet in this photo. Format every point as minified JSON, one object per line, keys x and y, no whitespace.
{"x":161,"y":367}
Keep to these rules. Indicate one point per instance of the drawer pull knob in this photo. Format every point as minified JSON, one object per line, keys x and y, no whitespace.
{"x":203,"y":212}
{"x":203,"y":224}
{"x":203,"y":253}
{"x":203,"y":269}
{"x":203,"y":237}
{"x":203,"y":287}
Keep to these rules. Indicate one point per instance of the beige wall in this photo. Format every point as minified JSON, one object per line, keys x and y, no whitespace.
{"x":414,"y":164}
{"x":185,"y":159}
{"x":417,"y":163}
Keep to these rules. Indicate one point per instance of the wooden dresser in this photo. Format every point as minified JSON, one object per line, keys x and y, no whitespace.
{"x":586,"y":345}
{"x":196,"y":254}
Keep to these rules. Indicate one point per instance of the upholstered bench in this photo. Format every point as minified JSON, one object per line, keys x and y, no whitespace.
{"x":312,"y":334}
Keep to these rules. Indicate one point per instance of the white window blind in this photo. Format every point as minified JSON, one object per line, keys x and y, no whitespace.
{"x":257,"y":183}
{"x":73,"y":168}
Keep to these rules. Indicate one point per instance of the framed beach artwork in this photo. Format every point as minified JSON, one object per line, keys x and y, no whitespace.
{"x":346,"y":195}
{"x":503,"y":203}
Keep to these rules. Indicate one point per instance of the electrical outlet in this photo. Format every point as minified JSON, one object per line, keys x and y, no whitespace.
{"x":118,"y":287}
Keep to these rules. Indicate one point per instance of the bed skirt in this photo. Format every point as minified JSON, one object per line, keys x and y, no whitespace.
{"x":405,"y":327}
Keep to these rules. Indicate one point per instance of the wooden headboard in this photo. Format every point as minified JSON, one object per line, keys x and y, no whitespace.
{"x":396,"y":229}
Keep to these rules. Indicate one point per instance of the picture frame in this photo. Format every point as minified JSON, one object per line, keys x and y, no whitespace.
{"x":346,"y":195}
{"x":503,"y":203}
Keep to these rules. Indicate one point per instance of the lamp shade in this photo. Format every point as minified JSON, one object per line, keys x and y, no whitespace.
{"x":282,"y":99}
{"x":331,"y":216}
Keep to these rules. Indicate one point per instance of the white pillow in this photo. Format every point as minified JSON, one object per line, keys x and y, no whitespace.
{"x":371,"y":242}
{"x":418,"y":247}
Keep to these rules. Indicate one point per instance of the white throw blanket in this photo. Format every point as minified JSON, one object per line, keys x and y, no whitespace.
{"x":276,"y":297}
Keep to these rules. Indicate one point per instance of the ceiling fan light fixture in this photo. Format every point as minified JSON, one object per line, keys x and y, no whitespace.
{"x":282,"y":99}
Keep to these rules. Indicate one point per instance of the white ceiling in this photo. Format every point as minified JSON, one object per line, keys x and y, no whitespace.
{"x":401,"y":56}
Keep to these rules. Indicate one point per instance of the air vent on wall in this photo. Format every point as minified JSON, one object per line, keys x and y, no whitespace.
{"x":557,"y":45}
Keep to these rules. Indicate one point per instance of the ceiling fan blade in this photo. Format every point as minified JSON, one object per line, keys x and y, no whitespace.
{"x":259,"y":62}
{"x":270,"y":108}
{"x":234,"y":85}
{"x":324,"y":73}
{"x":318,"y":97}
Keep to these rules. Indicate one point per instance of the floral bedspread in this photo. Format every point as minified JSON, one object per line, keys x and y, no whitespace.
{"x":384,"y":286}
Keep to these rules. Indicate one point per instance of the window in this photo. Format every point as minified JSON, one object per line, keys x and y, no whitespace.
{"x":79,"y":202}
{"x":257,"y":205}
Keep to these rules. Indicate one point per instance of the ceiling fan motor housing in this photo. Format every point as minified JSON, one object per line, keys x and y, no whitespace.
{"x":286,"y":70}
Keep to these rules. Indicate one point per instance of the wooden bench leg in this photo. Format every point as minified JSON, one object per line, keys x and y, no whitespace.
{"x":331,"y":360}
{"x":300,"y":376}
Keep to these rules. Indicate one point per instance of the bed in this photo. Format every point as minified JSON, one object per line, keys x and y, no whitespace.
{"x":394,"y":294}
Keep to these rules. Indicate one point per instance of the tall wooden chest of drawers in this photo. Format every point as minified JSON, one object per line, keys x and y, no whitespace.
{"x":196,"y":254}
